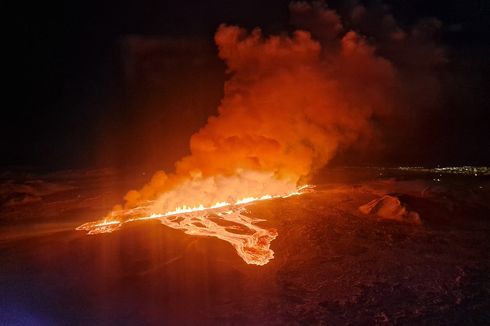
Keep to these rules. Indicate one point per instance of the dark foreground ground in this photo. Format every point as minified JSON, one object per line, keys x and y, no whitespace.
{"x":333,"y":265}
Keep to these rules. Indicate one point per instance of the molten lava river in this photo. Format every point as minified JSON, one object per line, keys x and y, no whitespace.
{"x":224,"y":220}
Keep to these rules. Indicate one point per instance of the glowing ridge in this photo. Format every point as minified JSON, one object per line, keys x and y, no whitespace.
{"x":251,"y":242}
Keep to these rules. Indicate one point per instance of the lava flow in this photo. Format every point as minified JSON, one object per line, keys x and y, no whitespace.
{"x":223,"y":220}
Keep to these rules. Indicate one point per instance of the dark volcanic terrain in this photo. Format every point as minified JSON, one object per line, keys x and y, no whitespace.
{"x":333,"y":265}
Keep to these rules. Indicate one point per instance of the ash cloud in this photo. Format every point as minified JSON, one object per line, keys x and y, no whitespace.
{"x":292,"y":102}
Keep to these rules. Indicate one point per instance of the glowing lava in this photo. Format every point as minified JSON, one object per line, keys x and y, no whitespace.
{"x":223,"y":220}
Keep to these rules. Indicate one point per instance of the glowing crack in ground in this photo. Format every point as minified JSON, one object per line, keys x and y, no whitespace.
{"x":223,"y":220}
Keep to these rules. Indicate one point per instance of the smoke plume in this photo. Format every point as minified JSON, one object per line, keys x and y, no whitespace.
{"x":292,"y":101}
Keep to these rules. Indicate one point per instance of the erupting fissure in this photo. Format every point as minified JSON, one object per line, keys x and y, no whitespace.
{"x":291,"y":102}
{"x":251,"y":242}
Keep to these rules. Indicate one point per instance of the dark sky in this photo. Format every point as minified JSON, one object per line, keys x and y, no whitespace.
{"x":72,"y":105}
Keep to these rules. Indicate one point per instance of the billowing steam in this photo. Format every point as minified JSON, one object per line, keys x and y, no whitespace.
{"x":290,"y":104}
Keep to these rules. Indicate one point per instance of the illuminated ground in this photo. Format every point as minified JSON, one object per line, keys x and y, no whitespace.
{"x":333,"y":265}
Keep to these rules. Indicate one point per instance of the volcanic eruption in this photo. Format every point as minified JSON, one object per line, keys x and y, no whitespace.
{"x":291,"y":102}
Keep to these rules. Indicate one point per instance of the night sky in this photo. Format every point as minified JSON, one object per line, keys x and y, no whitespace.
{"x":80,"y":98}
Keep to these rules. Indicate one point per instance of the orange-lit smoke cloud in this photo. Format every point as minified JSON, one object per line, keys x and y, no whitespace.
{"x":290,"y":104}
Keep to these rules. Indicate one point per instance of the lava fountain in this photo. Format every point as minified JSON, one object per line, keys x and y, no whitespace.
{"x":224,"y":220}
